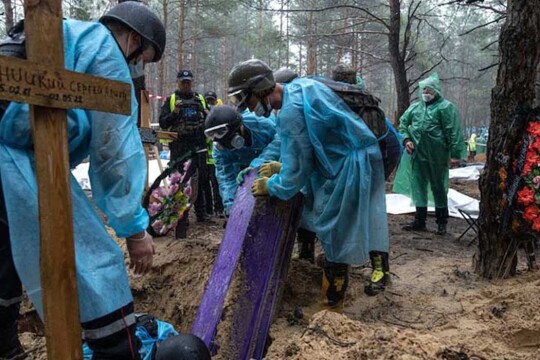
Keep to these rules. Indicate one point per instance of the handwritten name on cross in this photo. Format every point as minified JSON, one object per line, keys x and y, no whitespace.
{"x":42,"y":82}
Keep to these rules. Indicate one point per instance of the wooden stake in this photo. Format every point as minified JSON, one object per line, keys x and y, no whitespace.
{"x":58,"y":276}
{"x":52,"y":89}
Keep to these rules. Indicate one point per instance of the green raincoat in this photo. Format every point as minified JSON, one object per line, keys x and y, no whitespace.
{"x":435,"y":129}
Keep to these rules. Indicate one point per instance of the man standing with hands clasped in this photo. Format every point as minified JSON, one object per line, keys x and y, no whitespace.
{"x":432,"y":134}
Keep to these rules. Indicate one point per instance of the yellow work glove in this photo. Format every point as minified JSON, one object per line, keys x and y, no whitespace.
{"x":259,"y":188}
{"x":270,"y":168}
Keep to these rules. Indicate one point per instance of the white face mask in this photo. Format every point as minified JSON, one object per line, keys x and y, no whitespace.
{"x":427,"y":97}
{"x":137,"y":70}
{"x":261,"y":110}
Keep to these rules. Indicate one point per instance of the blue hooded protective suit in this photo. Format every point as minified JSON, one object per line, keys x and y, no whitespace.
{"x":117,"y":174}
{"x":229,"y":162}
{"x":329,"y":149}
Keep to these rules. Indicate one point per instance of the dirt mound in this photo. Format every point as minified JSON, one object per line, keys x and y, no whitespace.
{"x":334,"y":336}
{"x":436,"y":307}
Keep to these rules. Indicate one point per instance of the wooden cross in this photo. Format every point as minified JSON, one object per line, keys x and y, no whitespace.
{"x":43,"y":82}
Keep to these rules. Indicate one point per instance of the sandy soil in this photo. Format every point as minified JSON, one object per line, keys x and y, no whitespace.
{"x":436,"y":307}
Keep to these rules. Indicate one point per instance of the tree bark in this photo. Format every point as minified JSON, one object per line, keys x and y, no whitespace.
{"x":311,"y":48}
{"x":181,"y":28}
{"x":397,"y":61}
{"x":8,"y":12}
{"x":511,"y":102}
{"x":195,"y":30}
{"x":160,"y":88}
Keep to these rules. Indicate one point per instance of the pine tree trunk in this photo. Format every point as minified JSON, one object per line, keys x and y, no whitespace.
{"x":397,"y":61}
{"x":8,"y":12}
{"x":311,"y":48}
{"x":194,"y":47}
{"x":181,"y":28}
{"x":163,"y":63}
{"x":513,"y":94}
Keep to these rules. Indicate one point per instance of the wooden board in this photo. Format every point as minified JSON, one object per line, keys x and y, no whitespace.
{"x":264,"y":264}
{"x":51,"y":86}
{"x":257,"y":244}
{"x":145,"y":109}
{"x":210,"y":309}
{"x":166,"y":135}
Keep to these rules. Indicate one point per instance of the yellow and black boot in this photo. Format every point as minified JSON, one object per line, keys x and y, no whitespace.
{"x":380,"y":275}
{"x":334,"y":285}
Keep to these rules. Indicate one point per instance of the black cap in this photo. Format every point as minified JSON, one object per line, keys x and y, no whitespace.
{"x":210,"y":95}
{"x":185,"y":75}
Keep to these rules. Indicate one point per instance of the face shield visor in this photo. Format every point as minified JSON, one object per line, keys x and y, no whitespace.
{"x":240,"y":99}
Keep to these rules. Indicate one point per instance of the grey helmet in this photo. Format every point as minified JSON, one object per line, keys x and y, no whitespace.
{"x":139,"y":18}
{"x":253,"y":76}
{"x":284,"y":75}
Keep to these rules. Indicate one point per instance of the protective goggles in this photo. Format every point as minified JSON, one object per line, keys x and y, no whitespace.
{"x":217,"y":132}
{"x":240,"y":99}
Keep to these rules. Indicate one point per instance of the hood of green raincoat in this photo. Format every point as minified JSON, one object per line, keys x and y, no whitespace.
{"x":433,"y":83}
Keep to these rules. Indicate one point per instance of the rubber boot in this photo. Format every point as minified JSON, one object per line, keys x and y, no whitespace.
{"x":306,"y":240}
{"x":442,"y":219}
{"x":10,"y":346}
{"x":380,"y":275}
{"x":334,"y":285}
{"x":419,"y":223}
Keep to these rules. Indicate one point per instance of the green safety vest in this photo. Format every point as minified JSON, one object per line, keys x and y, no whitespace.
{"x":210,"y":146}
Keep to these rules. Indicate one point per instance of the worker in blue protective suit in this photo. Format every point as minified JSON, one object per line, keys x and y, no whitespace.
{"x":127,"y":37}
{"x":391,"y":146}
{"x":432,"y":134}
{"x":249,"y":142}
{"x":160,"y":341}
{"x":241,"y":141}
{"x":328,"y":149}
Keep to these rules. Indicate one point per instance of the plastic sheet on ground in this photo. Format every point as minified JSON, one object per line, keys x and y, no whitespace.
{"x":401,"y":204}
{"x":467,"y":173}
{"x":81,"y":173}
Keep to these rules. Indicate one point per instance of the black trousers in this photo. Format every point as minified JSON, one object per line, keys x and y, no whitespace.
{"x":198,"y":161}
{"x":10,"y":286}
{"x":211,"y":192}
{"x":10,"y":293}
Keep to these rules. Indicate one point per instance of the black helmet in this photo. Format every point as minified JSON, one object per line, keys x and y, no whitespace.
{"x":253,"y":76}
{"x":222,"y":117}
{"x":182,"y":347}
{"x":139,"y":18}
{"x":223,"y":127}
{"x":284,"y":75}
{"x":210,"y":95}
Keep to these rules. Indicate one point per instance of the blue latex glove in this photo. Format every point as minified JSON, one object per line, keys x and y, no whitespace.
{"x":241,"y":174}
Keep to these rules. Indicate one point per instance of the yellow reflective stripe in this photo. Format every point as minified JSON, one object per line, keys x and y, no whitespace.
{"x":173,"y":101}
{"x":203,"y":101}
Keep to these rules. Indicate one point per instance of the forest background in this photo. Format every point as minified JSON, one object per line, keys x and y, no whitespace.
{"x":391,"y":43}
